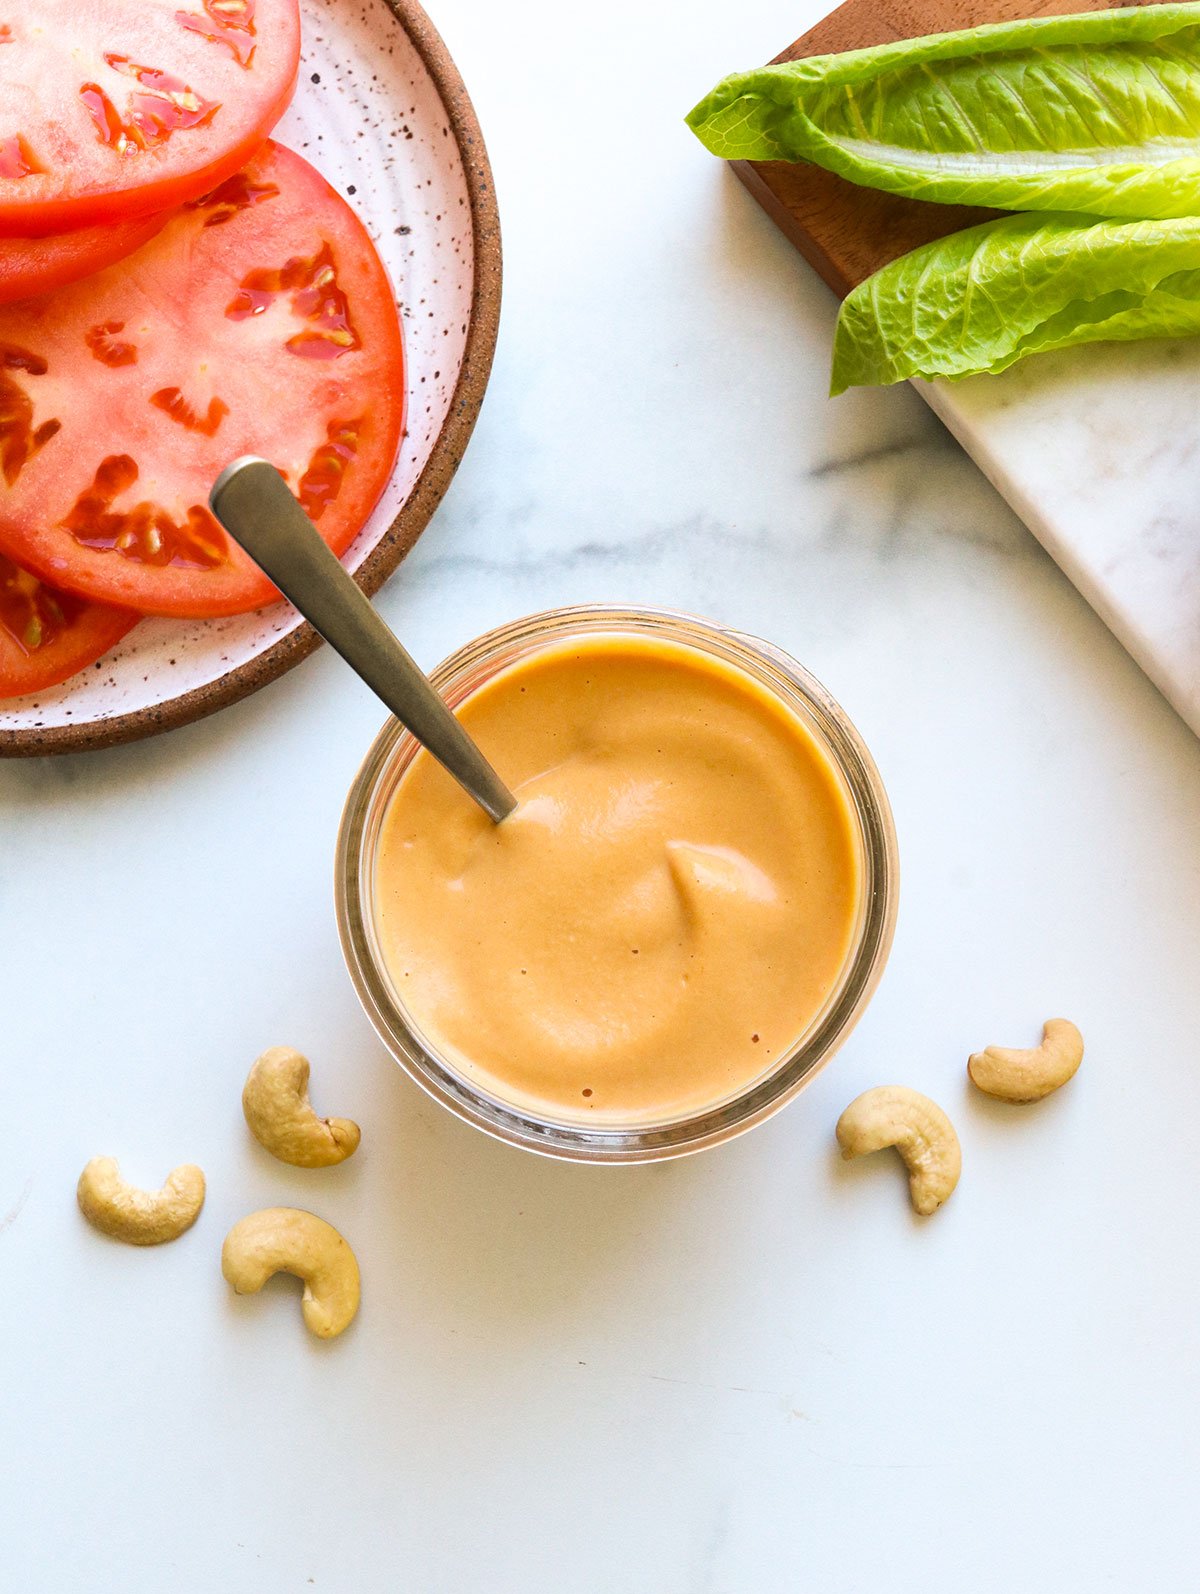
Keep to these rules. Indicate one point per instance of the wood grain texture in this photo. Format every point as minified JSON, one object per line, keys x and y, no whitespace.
{"x":847,"y":232}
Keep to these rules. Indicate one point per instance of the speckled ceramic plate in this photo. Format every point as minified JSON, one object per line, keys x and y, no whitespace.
{"x":382,"y":112}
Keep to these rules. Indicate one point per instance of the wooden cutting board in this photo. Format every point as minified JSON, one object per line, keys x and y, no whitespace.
{"x":848,"y":232}
{"x":1096,"y":448}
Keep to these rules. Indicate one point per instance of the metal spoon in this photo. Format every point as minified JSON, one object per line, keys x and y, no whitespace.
{"x":254,"y":504}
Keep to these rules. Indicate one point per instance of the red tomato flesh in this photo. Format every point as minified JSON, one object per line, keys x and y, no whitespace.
{"x":259,"y":321}
{"x":46,"y":635}
{"x":36,"y":265}
{"x":116,"y":108}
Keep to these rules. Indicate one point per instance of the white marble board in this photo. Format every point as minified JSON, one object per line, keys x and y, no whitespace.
{"x":1097,"y":450}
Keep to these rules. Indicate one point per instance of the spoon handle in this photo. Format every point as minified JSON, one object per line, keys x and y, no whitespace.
{"x":255,"y":505}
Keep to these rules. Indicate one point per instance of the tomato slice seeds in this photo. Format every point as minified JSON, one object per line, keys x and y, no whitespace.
{"x":46,"y":635}
{"x":130,"y":107}
{"x":259,"y":321}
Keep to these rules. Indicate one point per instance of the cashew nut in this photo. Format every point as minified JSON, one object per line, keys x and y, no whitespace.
{"x":893,"y":1115}
{"x":1016,"y":1075}
{"x":285,"y":1240}
{"x":139,"y":1217}
{"x":281,"y":1118}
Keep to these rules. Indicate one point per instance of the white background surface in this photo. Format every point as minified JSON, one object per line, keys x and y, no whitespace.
{"x":751,"y":1372}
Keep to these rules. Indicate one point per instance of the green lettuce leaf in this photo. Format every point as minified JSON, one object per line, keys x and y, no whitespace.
{"x":984,"y":298}
{"x":1098,"y":114}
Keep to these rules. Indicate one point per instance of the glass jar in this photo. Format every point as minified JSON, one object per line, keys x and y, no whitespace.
{"x":875,"y":839}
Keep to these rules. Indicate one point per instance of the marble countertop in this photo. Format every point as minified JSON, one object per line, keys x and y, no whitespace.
{"x":749,"y":1372}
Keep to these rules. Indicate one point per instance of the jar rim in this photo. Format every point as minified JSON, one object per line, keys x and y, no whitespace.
{"x":461,"y":674}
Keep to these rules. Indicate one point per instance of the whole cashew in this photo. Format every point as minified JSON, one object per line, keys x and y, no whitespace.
{"x":1016,"y":1075}
{"x":139,"y":1217}
{"x":893,"y":1115}
{"x":285,"y":1240}
{"x":281,"y":1118}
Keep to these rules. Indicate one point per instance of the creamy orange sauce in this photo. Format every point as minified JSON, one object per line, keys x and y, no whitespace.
{"x":664,"y":914}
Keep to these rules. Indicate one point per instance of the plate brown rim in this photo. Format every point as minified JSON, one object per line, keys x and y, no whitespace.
{"x":439,"y":469}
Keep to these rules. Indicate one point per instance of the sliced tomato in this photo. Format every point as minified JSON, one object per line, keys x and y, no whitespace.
{"x":36,"y":265}
{"x":259,"y":321}
{"x":114,"y":108}
{"x":46,"y":635}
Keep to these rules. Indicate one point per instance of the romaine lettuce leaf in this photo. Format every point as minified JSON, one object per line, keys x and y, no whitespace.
{"x":1098,"y":114}
{"x":984,"y":298}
